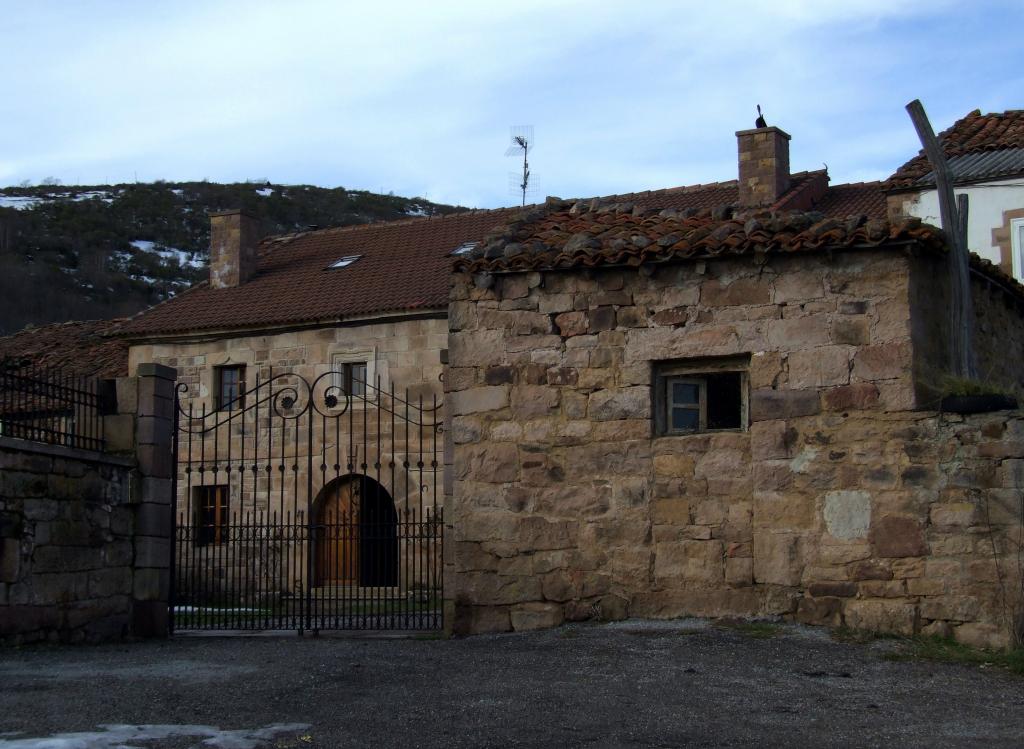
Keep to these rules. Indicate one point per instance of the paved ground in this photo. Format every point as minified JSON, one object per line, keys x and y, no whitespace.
{"x":629,"y":684}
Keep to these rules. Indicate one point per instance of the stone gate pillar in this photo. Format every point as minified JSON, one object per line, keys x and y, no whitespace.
{"x":153,"y":520}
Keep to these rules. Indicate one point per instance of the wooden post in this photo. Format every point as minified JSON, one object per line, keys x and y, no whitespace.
{"x":954,"y":222}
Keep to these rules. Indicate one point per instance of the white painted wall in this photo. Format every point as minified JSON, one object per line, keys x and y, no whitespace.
{"x":987,"y":202}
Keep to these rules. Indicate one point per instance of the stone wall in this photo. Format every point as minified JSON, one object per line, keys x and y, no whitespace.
{"x":998,"y":331}
{"x":837,"y":503}
{"x":66,"y":552}
{"x":84,"y":535}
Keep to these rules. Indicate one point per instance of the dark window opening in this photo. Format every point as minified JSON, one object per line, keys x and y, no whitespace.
{"x":211,"y":503}
{"x":230,"y":388}
{"x":353,"y":378}
{"x":688,"y":400}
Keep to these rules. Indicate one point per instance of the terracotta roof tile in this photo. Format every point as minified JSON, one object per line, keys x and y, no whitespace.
{"x":565,"y":235}
{"x":80,"y":347}
{"x":403,"y":266}
{"x":975,"y":133}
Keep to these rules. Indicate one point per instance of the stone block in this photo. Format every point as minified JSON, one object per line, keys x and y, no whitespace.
{"x":820,"y":611}
{"x":740,"y":293}
{"x":824,"y":366}
{"x":885,"y":361}
{"x":479,"y":399}
{"x":981,"y":635}
{"x":499,"y":375}
{"x":833,"y":588}
{"x":859,"y":395}
{"x":623,"y":403}
{"x":897,"y":536}
{"x":798,"y":333}
{"x":851,"y":331}
{"x":153,"y":519}
{"x":569,"y":324}
{"x":152,"y":552}
{"x":531,"y":616}
{"x":783,"y":404}
{"x":847,"y":514}
{"x":778,"y":558}
{"x":10,"y":559}
{"x":739,"y":571}
{"x":765,"y":370}
{"x":127,"y":390}
{"x":676,"y":563}
{"x":881,"y":616}
{"x":955,"y":514}
{"x":533,"y":401}
{"x":601,"y":318}
{"x":119,"y":433}
{"x":150,"y":584}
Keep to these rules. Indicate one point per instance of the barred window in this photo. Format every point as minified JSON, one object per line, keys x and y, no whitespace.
{"x":211,"y":514}
{"x":230,"y":388}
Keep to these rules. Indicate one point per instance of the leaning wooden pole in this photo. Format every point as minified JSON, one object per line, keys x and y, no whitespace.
{"x":961,"y":306}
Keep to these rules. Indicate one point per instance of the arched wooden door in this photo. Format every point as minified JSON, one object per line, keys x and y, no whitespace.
{"x":337,"y":537}
{"x":356,"y":534}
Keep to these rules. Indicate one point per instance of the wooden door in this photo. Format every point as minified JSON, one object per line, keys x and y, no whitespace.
{"x":338,"y":535}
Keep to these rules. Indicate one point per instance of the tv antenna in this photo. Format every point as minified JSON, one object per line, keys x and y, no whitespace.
{"x":522,"y":142}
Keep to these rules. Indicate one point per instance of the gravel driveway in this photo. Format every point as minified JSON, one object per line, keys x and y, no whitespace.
{"x":661,"y":684}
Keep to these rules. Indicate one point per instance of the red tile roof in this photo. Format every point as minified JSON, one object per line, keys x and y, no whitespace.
{"x":405,"y":265}
{"x":565,"y":235}
{"x":975,"y":133}
{"x":81,"y":347}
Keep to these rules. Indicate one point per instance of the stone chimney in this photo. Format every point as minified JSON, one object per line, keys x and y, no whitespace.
{"x":234,"y":236}
{"x":764,"y":166}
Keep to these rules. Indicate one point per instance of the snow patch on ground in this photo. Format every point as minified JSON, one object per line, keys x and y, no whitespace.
{"x":417,"y":210}
{"x":27,"y":202}
{"x":18,"y":203}
{"x":118,"y":736}
{"x":168,"y":254}
{"x":265,"y":192}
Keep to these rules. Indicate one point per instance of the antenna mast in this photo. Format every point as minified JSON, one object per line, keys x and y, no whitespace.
{"x":522,"y":141}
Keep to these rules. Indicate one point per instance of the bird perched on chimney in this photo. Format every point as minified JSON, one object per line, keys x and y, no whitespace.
{"x":759,"y":122}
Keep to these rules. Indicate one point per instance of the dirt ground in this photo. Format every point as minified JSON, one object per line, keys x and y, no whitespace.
{"x":666,"y":684}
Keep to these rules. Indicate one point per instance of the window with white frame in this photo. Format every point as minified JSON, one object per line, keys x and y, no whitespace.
{"x":355,"y":373}
{"x":700,"y":395}
{"x":1017,"y":247}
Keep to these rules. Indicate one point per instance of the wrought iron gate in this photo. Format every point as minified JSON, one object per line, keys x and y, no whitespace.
{"x":309,"y":505}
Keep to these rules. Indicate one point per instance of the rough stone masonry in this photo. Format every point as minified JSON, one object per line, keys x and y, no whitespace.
{"x":841,"y":500}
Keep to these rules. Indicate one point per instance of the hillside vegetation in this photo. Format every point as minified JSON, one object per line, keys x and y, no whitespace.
{"x":94,"y":252}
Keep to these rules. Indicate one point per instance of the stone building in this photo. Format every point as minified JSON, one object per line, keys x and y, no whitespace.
{"x":728,"y":411}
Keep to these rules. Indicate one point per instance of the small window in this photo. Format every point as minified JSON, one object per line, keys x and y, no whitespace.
{"x":230,"y":388}
{"x":211,"y":503}
{"x":344,"y":262}
{"x":351,"y":376}
{"x":465,"y":248}
{"x":695,"y":397}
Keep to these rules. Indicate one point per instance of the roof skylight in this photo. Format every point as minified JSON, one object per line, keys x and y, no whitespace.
{"x":465,"y":248}
{"x":344,"y":262}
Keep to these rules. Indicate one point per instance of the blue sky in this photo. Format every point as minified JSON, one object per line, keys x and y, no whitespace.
{"x":417,"y":98}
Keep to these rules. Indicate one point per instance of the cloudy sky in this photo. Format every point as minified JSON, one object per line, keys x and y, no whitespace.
{"x":418,"y":97}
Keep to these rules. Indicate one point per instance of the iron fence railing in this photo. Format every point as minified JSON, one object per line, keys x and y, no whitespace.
{"x":53,"y":406}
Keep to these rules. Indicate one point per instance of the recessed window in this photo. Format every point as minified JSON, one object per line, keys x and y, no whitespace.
{"x":351,"y":377}
{"x":465,"y":248}
{"x":211,"y":503}
{"x":230,"y":385}
{"x":344,"y":262}
{"x":700,"y":396}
